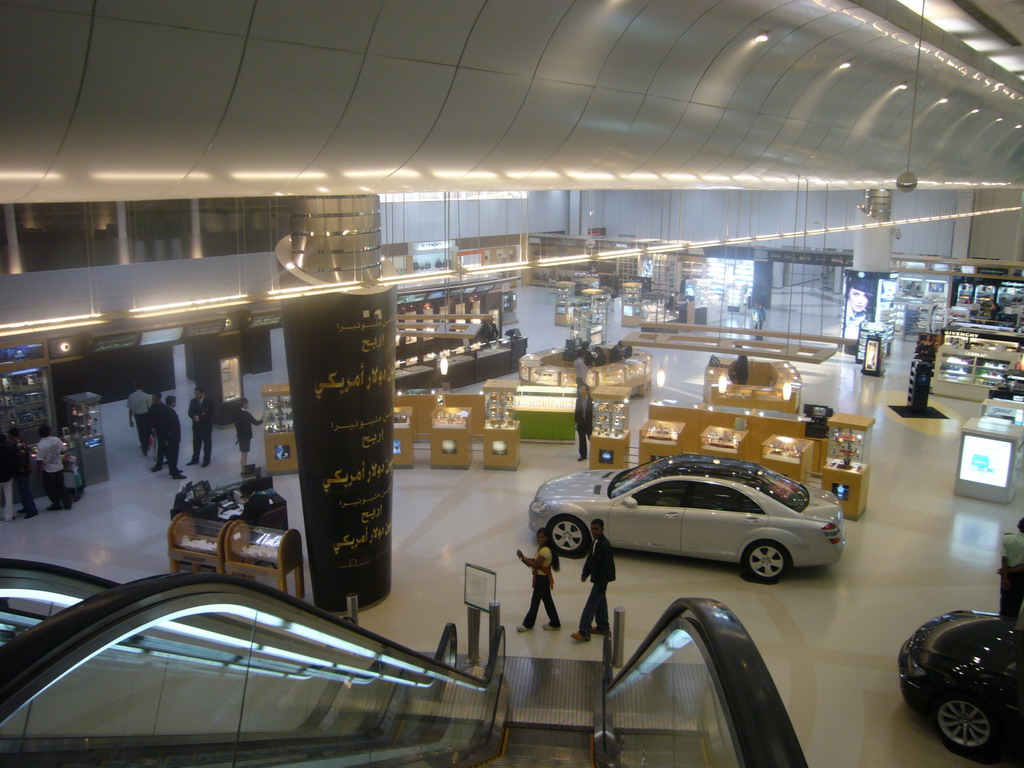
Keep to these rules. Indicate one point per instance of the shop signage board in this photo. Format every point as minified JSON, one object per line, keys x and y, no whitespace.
{"x":115,"y":341}
{"x":341,"y":363}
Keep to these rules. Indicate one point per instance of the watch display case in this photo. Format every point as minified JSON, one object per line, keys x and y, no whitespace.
{"x":846,"y":470}
{"x":789,"y":456}
{"x":230,"y":379}
{"x":611,"y":411}
{"x":449,"y":437}
{"x":279,"y":430}
{"x":253,"y":552}
{"x":85,"y":425}
{"x":25,"y":402}
{"x":564,"y":304}
{"x":546,"y":413}
{"x":195,"y":541}
{"x":499,"y":402}
{"x":401,"y":451}
{"x":632,"y":308}
{"x":660,"y":438}
{"x":722,"y":440}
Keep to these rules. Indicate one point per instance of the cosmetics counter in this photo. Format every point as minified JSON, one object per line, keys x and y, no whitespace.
{"x":975,"y":359}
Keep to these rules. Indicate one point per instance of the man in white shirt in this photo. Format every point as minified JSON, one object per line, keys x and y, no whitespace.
{"x":1011,"y":586}
{"x":50,"y":465}
{"x":138,"y":416}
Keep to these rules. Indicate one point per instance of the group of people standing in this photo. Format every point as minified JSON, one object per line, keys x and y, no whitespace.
{"x":154,"y":417}
{"x":599,"y":567}
{"x":16,"y":469}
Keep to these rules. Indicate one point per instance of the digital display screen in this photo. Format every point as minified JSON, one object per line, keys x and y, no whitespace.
{"x":499,"y":448}
{"x":841,"y":491}
{"x":448,"y":446}
{"x":21,"y":352}
{"x":396,"y":447}
{"x":985,"y":461}
{"x":605,"y":456}
{"x":627,"y":310}
{"x":282,"y":451}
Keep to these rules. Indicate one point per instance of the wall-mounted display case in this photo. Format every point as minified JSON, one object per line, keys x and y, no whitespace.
{"x":196,"y":542}
{"x":279,"y":430}
{"x":846,"y":469}
{"x":660,"y":438}
{"x":230,"y":379}
{"x":25,"y":402}
{"x":789,"y":456}
{"x":722,"y":441}
{"x":255,"y":552}
{"x":401,"y":451}
{"x":449,"y":437}
{"x":631,"y":305}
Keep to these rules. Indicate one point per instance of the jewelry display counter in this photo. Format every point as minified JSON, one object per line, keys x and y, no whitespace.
{"x":846,"y":470}
{"x":198,"y":543}
{"x":449,"y":438}
{"x":252,"y":552}
{"x":772,"y":385}
{"x":609,"y":442}
{"x":661,"y":438}
{"x":501,"y":428}
{"x":789,"y":456}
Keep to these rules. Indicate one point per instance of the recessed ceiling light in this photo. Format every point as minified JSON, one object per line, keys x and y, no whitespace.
{"x":763,"y":37}
{"x":1019,"y":125}
{"x":943,"y":100}
{"x":975,"y":111}
{"x":999,"y":119}
{"x":845,"y":65}
{"x":901,"y":87}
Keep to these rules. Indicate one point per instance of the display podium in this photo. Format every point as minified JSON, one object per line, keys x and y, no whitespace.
{"x":632,"y":308}
{"x":789,"y":456}
{"x":402,"y":457}
{"x":660,"y":438}
{"x":252,"y":552}
{"x":564,"y":302}
{"x":988,"y":459}
{"x":449,"y":438}
{"x":846,"y":470}
{"x":196,"y":542}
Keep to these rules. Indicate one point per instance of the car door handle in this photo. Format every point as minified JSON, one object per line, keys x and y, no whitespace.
{"x":752,"y":518}
{"x":671,"y":514}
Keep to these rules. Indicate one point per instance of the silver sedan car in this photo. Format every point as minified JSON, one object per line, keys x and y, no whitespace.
{"x":698,"y":506}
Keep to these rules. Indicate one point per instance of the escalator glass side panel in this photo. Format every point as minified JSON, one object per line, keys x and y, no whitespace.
{"x":207,"y":681}
{"x":668,"y":710}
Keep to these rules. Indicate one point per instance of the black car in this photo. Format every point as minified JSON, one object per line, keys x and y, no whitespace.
{"x":961,"y":671}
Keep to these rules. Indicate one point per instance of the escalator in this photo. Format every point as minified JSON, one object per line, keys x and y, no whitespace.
{"x":213,"y":671}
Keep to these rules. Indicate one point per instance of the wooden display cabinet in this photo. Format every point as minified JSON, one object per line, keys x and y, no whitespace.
{"x":846,"y":470}
{"x":401,"y":456}
{"x":660,"y":438}
{"x":722,"y":441}
{"x":501,"y":428}
{"x":279,"y":430}
{"x":197,"y":542}
{"x":607,"y":452}
{"x":609,"y":443}
{"x":449,"y":438}
{"x":252,"y":552}
{"x":789,"y":456}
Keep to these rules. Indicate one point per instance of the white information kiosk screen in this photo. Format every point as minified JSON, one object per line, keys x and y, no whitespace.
{"x":986,"y":461}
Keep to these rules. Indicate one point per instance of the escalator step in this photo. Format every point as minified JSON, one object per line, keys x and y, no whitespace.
{"x":545,"y":748}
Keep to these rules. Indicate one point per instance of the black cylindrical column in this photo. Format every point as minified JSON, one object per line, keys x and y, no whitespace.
{"x":341,"y":363}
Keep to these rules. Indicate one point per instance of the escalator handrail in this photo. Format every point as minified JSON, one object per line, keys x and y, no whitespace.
{"x":38,"y":653}
{"x":32,"y":571}
{"x":761,"y":724}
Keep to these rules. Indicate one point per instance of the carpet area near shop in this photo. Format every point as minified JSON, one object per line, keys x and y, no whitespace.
{"x":830,"y":636}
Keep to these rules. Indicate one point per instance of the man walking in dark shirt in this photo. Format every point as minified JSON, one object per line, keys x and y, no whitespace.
{"x":600,"y":567}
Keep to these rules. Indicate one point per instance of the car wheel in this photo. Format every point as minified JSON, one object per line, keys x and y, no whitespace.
{"x":569,"y":535}
{"x":965,"y":724}
{"x":765,"y":561}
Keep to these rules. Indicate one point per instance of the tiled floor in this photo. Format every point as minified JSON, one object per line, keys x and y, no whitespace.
{"x":830,"y":636}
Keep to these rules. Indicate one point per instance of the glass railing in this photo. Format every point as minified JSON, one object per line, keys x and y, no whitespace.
{"x":697,"y":693}
{"x":202,"y":670}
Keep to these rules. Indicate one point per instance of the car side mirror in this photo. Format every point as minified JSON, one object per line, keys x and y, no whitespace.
{"x":630,"y":502}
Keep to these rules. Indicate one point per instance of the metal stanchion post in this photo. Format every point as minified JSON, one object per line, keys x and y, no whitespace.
{"x":473,"y":630}
{"x":353,"y":608}
{"x":619,"y":629}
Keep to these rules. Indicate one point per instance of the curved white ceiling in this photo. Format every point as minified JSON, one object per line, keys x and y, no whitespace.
{"x":117,"y":99}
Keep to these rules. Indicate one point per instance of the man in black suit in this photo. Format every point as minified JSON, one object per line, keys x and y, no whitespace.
{"x":600,"y":567}
{"x":584,"y":418}
{"x":167,"y":426}
{"x":200,"y":410}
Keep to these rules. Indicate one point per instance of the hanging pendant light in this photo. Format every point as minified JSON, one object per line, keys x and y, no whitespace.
{"x":659,"y":377}
{"x":443,"y":365}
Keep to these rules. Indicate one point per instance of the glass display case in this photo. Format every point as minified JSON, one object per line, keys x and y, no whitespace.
{"x":196,"y":542}
{"x":611,"y":411}
{"x":558,"y":399}
{"x":845,"y":469}
{"x":230,"y":379}
{"x":279,"y":430}
{"x":253,"y":551}
{"x":847,"y":448}
{"x":25,"y":402}
{"x":660,"y":438}
{"x":501,"y":427}
{"x":789,"y":456}
{"x":83,"y":412}
{"x":722,"y":440}
{"x":590,"y":319}
{"x":499,"y":403}
{"x":565,"y":302}
{"x":449,"y":437}
{"x":402,"y":450}
{"x":971,"y":367}
{"x":448,"y":417}
{"x":632,"y":309}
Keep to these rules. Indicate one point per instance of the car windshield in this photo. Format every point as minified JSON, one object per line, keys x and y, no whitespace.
{"x":626,"y":481}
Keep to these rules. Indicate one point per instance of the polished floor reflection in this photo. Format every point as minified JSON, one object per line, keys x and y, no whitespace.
{"x":829,"y":635}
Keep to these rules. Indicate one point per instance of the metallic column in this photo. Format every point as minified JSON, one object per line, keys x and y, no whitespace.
{"x":334,"y":239}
